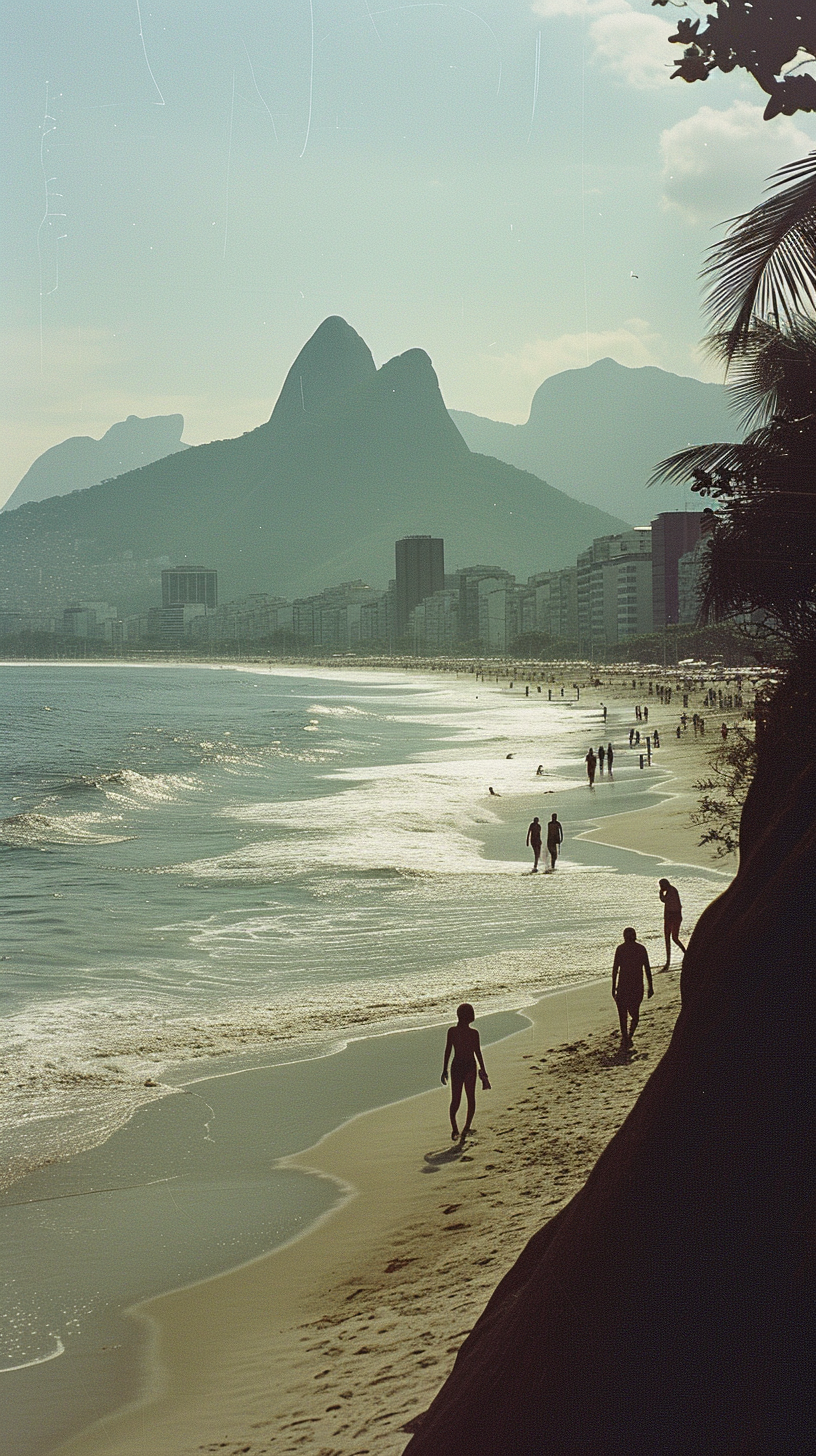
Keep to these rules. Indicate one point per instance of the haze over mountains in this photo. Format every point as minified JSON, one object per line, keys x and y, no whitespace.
{"x":597,"y":433}
{"x":352,"y":458}
{"x":80,"y":462}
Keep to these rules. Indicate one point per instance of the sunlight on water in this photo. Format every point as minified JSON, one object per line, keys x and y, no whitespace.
{"x":184,"y":879}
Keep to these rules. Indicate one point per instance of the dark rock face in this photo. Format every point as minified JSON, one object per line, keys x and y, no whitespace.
{"x":669,"y":1308}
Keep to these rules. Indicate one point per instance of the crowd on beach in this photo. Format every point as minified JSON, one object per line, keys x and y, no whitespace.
{"x":631,"y":969}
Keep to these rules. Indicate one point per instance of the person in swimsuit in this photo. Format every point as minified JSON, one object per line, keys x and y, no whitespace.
{"x":463,"y":1042}
{"x":534,"y":841}
{"x":631,"y":960}
{"x":672,"y":917}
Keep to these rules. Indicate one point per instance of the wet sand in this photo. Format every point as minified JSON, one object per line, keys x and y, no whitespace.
{"x":336,"y":1342}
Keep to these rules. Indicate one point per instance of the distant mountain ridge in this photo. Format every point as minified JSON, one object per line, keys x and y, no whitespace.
{"x":597,"y":433}
{"x":81,"y":462}
{"x":352,"y":458}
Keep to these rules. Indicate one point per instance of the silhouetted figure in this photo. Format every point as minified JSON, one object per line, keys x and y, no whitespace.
{"x":555,"y":837}
{"x":610,"y":758}
{"x":463,"y":1042}
{"x":539,"y":770}
{"x":672,"y":917}
{"x":630,"y":963}
{"x":591,"y":763}
{"x":534,"y":841}
{"x":646,"y":712}
{"x":724,"y":731}
{"x":631,"y":736}
{"x":656,"y":739}
{"x":492,"y":791}
{"x":601,"y":757}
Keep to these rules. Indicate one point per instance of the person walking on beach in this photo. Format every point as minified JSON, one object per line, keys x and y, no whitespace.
{"x":590,"y":763}
{"x":672,"y":917}
{"x":610,"y":758}
{"x":463,"y":1042}
{"x":534,"y":841}
{"x":601,"y":757}
{"x":555,"y":837}
{"x":630,"y":963}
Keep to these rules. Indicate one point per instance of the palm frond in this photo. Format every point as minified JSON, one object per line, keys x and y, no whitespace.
{"x":741,"y":458}
{"x":774,"y":371}
{"x":765,"y":266}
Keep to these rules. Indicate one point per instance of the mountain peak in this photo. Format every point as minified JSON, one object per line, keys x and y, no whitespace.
{"x":331,"y":364}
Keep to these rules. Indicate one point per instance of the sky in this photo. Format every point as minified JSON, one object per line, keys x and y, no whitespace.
{"x":192,"y":186}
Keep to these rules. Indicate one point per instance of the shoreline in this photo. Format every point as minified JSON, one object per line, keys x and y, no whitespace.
{"x":235,"y":1359}
{"x":185,"y":1330}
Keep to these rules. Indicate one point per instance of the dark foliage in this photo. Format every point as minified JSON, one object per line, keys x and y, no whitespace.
{"x":534,"y":645}
{"x":718,"y":643}
{"x":758,"y":36}
{"x":723,"y":792}
{"x":761,"y":558}
{"x":765,"y":266}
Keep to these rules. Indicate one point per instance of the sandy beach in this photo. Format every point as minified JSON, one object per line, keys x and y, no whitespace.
{"x":334,"y":1344}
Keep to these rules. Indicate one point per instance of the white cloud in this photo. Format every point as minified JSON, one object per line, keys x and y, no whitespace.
{"x":715,"y":163}
{"x":633,"y":46}
{"x":634,"y":344}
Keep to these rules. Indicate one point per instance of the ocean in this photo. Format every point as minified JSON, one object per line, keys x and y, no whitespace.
{"x":212,"y":868}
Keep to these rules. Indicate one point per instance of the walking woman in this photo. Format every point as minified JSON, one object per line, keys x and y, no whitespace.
{"x":463,"y":1042}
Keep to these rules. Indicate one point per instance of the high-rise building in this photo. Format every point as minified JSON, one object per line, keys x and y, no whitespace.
{"x":674,"y":533}
{"x":420,"y":572}
{"x":475,"y":582}
{"x":614,"y":590}
{"x":184,"y":586}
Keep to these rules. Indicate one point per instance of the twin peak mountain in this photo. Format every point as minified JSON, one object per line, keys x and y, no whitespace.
{"x":352,"y":458}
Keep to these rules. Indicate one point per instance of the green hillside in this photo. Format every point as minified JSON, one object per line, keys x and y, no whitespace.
{"x":352,"y":458}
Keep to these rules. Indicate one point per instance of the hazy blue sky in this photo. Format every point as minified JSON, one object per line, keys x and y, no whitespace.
{"x":191,"y":186}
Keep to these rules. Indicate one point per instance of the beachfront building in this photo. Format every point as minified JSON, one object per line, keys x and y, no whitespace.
{"x":377,"y":625}
{"x":534,"y":603}
{"x":250,"y":619}
{"x":475,"y":585}
{"x":433,"y":625}
{"x":498,"y":614}
{"x":674,"y":534}
{"x":614,"y":590}
{"x":189,"y":586}
{"x":564,"y":605}
{"x":420,"y":571}
{"x":689,"y":573}
{"x":188,"y":593}
{"x":91,"y":620}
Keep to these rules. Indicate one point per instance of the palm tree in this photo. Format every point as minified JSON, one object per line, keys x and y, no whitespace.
{"x":761,"y":557}
{"x":765,"y":266}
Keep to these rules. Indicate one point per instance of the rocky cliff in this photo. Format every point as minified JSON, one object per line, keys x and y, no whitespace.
{"x":669,"y":1307}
